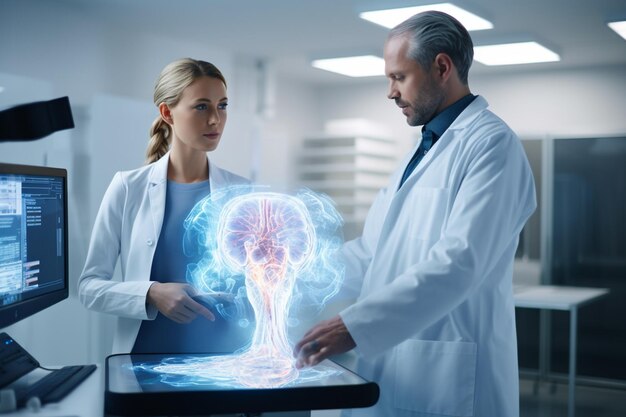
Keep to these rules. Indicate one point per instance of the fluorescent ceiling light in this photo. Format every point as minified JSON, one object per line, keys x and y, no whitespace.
{"x":514,"y":53}
{"x":392,"y":17}
{"x":619,"y":28}
{"x":353,"y":66}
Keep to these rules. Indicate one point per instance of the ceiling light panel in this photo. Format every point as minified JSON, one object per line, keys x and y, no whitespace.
{"x":514,"y":54}
{"x":353,"y":66}
{"x":392,"y":17}
{"x":619,"y":28}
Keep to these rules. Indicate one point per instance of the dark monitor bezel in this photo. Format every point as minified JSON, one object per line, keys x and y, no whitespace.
{"x":13,"y":313}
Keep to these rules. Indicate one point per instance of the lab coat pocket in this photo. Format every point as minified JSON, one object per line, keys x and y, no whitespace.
{"x":436,"y":377}
{"x":428,"y":207}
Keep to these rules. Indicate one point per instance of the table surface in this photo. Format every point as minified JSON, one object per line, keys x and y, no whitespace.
{"x":87,"y":400}
{"x":555,"y":297}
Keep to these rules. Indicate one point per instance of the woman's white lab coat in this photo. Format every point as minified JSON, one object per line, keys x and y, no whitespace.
{"x":434,"y":322}
{"x":127,"y":226}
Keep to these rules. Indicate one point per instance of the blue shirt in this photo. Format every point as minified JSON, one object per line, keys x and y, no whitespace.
{"x":433,"y":130}
{"x":441,"y":122}
{"x":163,"y":335}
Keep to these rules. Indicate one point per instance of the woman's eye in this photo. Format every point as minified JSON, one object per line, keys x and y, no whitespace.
{"x":222,"y":106}
{"x":201,"y":107}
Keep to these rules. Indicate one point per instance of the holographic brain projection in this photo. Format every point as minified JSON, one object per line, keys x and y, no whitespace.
{"x":273,"y":252}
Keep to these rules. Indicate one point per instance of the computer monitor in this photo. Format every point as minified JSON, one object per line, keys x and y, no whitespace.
{"x":33,"y":240}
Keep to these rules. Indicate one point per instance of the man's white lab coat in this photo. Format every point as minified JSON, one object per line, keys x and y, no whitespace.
{"x":434,"y":322}
{"x":128,"y":225}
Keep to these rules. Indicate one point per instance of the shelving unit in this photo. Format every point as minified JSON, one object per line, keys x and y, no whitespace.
{"x":350,"y":169}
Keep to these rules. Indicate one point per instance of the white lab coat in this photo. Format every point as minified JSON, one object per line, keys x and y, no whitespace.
{"x":434,"y":322}
{"x":127,"y":226}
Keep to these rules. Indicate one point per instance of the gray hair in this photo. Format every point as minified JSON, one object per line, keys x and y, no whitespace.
{"x":433,"y":32}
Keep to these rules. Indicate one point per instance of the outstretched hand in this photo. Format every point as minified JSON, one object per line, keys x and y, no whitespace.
{"x":330,"y":337}
{"x":174,"y":300}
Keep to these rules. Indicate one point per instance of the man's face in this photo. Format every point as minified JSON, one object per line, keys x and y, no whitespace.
{"x":415,"y":89}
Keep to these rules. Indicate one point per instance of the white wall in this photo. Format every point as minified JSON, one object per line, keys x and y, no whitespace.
{"x":578,"y":102}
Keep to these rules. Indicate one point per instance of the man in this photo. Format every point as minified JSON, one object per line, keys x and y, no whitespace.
{"x":434,"y":322}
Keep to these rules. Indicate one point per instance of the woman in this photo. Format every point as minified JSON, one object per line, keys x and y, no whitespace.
{"x":141,"y":221}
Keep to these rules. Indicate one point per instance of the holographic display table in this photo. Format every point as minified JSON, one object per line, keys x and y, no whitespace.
{"x":135,"y":386}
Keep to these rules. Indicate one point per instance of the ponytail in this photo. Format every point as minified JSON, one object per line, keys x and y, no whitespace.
{"x":158,"y":145}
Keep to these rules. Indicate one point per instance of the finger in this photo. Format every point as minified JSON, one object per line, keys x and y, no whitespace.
{"x":314,"y":334}
{"x":307,"y":351}
{"x":303,"y":342}
{"x":198,"y":308}
{"x":178,"y":318}
{"x":184,"y":314}
{"x":190,"y":290}
{"x":318,"y":357}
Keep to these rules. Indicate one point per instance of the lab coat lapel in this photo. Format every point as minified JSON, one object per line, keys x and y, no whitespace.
{"x":216,"y":178}
{"x":400,"y":196}
{"x":156,"y":192}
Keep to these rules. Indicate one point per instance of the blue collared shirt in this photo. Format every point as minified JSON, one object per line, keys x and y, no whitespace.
{"x":441,"y":122}
{"x":433,"y":130}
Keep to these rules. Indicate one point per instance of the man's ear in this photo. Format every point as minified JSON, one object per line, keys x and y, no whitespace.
{"x":443,"y":66}
{"x":166,"y":113}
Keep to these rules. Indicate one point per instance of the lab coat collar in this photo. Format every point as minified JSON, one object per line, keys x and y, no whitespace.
{"x":465,"y":119}
{"x":158,"y":187}
{"x":470,"y":113}
{"x":158,"y":173}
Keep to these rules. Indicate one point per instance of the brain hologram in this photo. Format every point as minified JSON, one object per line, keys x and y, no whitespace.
{"x":276,"y":254}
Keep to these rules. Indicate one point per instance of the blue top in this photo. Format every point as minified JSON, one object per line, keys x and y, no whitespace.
{"x":163,"y":335}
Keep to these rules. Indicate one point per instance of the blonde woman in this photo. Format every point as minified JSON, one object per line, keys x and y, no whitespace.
{"x":141,"y":221}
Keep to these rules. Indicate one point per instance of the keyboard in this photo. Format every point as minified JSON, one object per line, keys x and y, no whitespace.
{"x":56,"y":385}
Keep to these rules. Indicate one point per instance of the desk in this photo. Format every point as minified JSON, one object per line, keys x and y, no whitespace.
{"x":87,"y":400}
{"x":548,"y":297}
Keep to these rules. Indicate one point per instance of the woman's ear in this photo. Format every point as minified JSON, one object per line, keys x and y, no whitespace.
{"x":166,"y":113}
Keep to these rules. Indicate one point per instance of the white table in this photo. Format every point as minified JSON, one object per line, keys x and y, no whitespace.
{"x":549,"y":297}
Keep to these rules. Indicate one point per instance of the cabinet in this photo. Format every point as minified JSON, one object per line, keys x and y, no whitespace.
{"x":350,"y":170}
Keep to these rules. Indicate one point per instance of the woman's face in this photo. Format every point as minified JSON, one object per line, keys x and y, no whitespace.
{"x":198,"y":119}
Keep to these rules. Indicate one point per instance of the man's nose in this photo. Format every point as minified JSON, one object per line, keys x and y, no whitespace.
{"x":392,"y":94}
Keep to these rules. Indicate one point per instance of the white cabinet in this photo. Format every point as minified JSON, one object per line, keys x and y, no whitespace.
{"x":349,"y":169}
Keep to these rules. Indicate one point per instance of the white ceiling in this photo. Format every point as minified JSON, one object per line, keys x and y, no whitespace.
{"x":289,"y":33}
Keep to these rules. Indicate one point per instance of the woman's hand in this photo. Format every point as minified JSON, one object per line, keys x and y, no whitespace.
{"x":174,"y":301}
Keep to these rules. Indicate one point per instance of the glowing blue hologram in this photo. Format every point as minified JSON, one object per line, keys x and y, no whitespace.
{"x":275,"y":253}
{"x":217,"y":372}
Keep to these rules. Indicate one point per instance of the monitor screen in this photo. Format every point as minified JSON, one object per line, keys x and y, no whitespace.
{"x":33,"y":240}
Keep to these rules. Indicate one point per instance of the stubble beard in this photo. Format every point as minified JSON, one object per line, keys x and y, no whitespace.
{"x":425,"y":106}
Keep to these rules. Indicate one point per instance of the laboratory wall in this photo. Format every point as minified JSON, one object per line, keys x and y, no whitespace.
{"x":536,"y":104}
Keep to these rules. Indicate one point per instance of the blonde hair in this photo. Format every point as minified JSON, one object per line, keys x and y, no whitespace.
{"x":168,"y":89}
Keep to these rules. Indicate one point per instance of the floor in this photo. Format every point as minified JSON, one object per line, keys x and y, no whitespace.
{"x":551,"y":401}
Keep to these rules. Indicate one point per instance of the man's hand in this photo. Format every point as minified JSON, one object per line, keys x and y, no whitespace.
{"x":174,"y":301}
{"x":330,"y":337}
